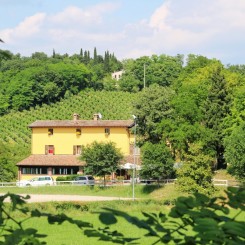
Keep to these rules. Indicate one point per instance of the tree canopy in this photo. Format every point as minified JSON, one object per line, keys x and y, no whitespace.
{"x":235,"y":152}
{"x":157,"y":162}
{"x":195,"y":175}
{"x":179,"y":100}
{"x":101,"y":158}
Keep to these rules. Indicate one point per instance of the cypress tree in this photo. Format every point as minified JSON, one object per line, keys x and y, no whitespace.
{"x":81,"y":52}
{"x":107,"y":62}
{"x":85,"y":58}
{"x":216,"y":109}
{"x":54,"y":54}
{"x":95,"y":55}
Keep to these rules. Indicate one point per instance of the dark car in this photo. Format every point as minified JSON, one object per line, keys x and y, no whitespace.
{"x":84,"y":180}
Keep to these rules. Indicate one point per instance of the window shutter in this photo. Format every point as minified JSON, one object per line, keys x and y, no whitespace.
{"x":131,"y":149}
{"x":74,"y":150}
{"x":46,"y":149}
{"x":80,"y":150}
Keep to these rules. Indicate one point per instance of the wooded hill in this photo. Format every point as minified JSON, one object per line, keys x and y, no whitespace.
{"x":182,"y":103}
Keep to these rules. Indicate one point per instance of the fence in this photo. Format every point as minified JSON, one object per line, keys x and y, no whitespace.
{"x":216,"y":182}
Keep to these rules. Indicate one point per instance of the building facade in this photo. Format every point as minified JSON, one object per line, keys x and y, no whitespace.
{"x":117,"y":75}
{"x":58,"y":144}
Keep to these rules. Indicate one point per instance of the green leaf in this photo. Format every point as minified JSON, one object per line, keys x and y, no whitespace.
{"x":234,"y":228}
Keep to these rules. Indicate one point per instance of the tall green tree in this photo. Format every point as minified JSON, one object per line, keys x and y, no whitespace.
{"x":95,"y":55}
{"x":194,"y":62}
{"x":216,"y":109}
{"x":151,"y":107}
{"x":8,"y":170}
{"x":101,"y":158}
{"x":5,"y":55}
{"x":107,"y":62}
{"x":145,"y":71}
{"x":163,"y":70}
{"x":157,"y":162}
{"x":235,"y":152}
{"x":195,"y":175}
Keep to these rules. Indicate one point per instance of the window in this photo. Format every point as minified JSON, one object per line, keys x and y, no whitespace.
{"x":50,"y":131}
{"x":78,"y":131}
{"x":77,"y":150}
{"x":107,"y":131}
{"x":65,"y":170}
{"x":37,"y":170}
{"x":82,"y":178}
{"x":49,"y":150}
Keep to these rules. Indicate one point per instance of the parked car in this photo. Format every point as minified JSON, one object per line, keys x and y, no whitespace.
{"x":37,"y":181}
{"x":84,"y":180}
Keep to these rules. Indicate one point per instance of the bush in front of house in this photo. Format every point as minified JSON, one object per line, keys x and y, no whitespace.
{"x":67,"y":178}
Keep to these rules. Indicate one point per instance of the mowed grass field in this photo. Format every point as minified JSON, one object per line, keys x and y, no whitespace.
{"x":70,"y":234}
{"x":148,"y":199}
{"x":141,"y":191}
{"x":151,"y":199}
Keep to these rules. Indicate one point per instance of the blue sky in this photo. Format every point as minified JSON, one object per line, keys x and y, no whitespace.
{"x":127,"y":28}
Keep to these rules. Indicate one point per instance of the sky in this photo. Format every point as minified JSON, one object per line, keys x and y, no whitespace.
{"x":127,"y":28}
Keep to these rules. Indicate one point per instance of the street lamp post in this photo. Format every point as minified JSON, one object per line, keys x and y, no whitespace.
{"x":134,"y":166}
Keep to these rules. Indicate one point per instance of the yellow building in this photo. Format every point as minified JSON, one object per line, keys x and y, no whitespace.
{"x":57,"y":144}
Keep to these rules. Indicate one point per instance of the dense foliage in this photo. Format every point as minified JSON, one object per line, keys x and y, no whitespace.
{"x":30,"y":81}
{"x":8,"y":170}
{"x":157,"y":162}
{"x":234,"y":152}
{"x":202,"y":107}
{"x":195,"y":176}
{"x":178,"y":102}
{"x":101,"y":158}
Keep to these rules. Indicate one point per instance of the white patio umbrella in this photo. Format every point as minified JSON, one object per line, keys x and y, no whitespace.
{"x":129,"y":165}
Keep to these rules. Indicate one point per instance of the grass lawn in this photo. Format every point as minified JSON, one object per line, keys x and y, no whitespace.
{"x":223,"y":175}
{"x":70,"y":234}
{"x":152,"y":199}
{"x":167,"y":192}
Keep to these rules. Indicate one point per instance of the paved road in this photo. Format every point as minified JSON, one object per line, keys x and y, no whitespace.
{"x":50,"y":198}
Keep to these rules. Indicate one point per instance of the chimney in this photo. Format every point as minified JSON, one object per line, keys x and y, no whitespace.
{"x":96,"y":117}
{"x":75,"y":117}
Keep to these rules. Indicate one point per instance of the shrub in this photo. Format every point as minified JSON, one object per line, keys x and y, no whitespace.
{"x":66,"y":178}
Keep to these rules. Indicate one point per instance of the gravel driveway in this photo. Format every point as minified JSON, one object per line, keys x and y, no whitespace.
{"x":52,"y":198}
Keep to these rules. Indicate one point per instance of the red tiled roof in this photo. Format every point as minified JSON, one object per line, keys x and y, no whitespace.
{"x":82,"y":123}
{"x":51,"y":160}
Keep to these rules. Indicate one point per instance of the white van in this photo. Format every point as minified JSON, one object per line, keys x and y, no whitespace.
{"x":84,"y":180}
{"x":37,"y":181}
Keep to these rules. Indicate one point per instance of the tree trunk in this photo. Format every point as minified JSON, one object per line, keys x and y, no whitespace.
{"x":104,"y":181}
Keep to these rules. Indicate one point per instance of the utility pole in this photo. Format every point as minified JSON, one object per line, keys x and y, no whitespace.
{"x":134,"y":166}
{"x":144,"y":76}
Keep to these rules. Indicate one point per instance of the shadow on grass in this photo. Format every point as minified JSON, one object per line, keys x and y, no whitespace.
{"x":147,"y":189}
